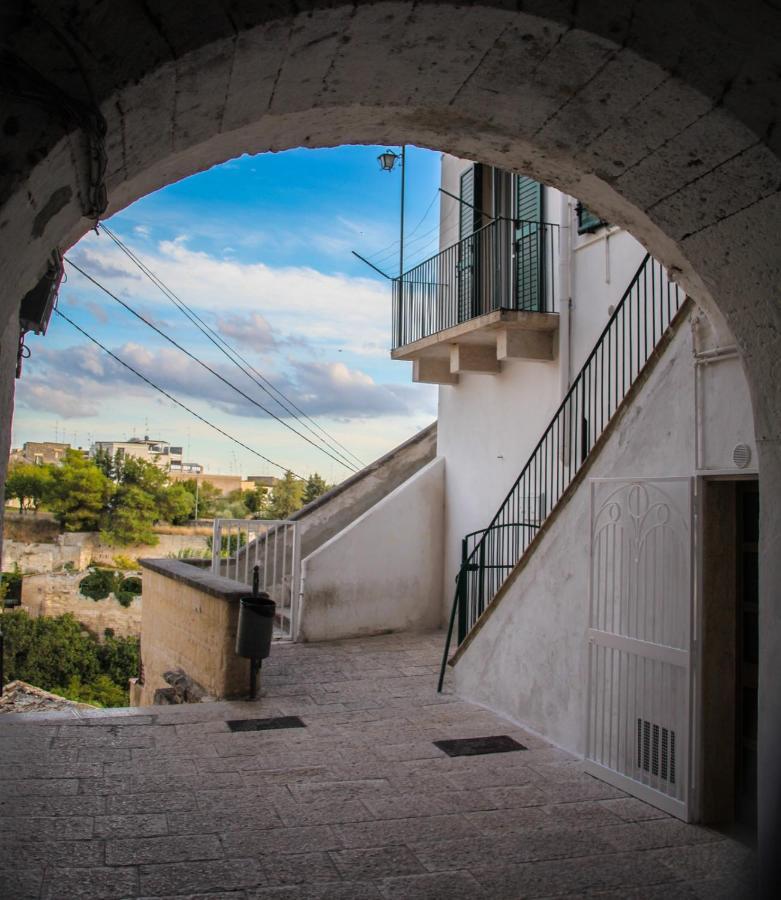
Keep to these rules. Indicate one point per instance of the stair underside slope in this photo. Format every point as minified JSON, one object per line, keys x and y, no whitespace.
{"x":582,"y":473}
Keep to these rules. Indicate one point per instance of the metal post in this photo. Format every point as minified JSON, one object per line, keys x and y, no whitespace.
{"x":401,"y":236}
{"x":254,"y":669}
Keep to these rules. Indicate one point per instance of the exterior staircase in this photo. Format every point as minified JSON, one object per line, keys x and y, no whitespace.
{"x":635,"y":334}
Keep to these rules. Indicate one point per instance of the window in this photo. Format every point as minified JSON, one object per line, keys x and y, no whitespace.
{"x":588,"y":222}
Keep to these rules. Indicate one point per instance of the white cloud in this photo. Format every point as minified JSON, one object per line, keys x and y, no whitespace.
{"x":251,"y":330}
{"x":351,"y":313}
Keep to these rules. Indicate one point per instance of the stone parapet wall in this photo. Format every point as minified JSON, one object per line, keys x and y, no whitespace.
{"x":189,"y":622}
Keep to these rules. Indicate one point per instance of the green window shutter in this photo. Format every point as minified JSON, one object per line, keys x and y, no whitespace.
{"x":528,"y":199}
{"x":529,"y":245}
{"x":469,"y":220}
{"x":588,"y":221}
{"x":465,"y":213}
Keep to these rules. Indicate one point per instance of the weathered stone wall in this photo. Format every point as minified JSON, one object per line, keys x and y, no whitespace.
{"x":81,"y":548}
{"x":189,"y":622}
{"x":53,"y":595}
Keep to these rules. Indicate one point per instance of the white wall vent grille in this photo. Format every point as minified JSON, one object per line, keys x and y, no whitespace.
{"x":741,"y":455}
{"x":656,"y":750}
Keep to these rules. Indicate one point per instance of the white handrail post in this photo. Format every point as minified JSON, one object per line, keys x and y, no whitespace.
{"x":216,"y":545}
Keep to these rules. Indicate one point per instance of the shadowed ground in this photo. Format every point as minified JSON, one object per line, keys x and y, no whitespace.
{"x":359,"y":804}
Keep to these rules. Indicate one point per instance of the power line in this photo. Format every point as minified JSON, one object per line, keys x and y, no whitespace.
{"x":204,"y":365}
{"x":226,"y":349}
{"x":395,"y":243}
{"x":173,"y":399}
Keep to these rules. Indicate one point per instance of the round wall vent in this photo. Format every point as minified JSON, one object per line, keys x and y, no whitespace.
{"x":741,"y":455}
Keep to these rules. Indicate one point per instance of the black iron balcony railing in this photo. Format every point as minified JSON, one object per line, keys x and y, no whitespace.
{"x":507,"y":264}
{"x":634,"y":330}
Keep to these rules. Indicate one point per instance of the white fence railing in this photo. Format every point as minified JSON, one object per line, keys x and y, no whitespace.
{"x":238,"y":545}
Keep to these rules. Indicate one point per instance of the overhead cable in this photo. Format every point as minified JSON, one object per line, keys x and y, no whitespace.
{"x":173,"y":399}
{"x":205,"y":366}
{"x":233,"y":355}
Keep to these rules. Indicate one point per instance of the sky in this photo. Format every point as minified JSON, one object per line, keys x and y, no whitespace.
{"x":260,"y":248}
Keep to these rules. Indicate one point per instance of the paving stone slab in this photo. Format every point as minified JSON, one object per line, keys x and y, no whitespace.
{"x":405,"y":831}
{"x":578,"y":877}
{"x":200,"y":877}
{"x":299,"y":868}
{"x":376,"y":863}
{"x":160,"y":849}
{"x":21,"y":884}
{"x":334,"y":891}
{"x":123,"y":825}
{"x":16,"y":853}
{"x":134,"y":804}
{"x":95,"y":883}
{"x":450,"y":885}
{"x":334,"y":812}
{"x":278,"y":841}
{"x":35,"y":828}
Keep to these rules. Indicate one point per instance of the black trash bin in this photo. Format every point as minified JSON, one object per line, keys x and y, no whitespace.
{"x":256,"y":626}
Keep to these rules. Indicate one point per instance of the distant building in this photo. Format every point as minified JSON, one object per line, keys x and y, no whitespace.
{"x":159,"y":452}
{"x":226,"y":484}
{"x":40,"y":452}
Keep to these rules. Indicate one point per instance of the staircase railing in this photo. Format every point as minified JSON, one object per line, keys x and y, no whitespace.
{"x":641,"y":318}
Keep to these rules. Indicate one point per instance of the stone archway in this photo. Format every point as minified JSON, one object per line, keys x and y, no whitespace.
{"x":661,"y":117}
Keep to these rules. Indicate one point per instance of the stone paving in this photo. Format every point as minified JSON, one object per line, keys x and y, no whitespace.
{"x":167,"y":802}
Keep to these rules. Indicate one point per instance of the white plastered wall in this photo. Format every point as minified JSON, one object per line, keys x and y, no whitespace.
{"x":384,"y":571}
{"x":489,"y":424}
{"x":529,"y":660}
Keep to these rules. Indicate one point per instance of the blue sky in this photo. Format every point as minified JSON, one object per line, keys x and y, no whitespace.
{"x":261,"y":248}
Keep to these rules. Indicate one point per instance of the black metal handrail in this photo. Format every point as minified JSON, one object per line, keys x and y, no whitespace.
{"x":507,"y":264}
{"x":642,"y":316}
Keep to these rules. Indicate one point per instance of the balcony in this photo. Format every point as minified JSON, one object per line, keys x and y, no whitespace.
{"x":491,"y":297}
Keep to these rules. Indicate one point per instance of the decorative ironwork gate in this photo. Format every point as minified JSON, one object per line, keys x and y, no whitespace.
{"x":641,"y":608}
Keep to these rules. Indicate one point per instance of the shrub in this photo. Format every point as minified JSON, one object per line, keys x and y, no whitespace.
{"x":99,"y":584}
{"x":125,"y":562}
{"x":131,"y":585}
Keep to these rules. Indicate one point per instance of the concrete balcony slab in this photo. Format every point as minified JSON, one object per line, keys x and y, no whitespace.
{"x":480,"y":344}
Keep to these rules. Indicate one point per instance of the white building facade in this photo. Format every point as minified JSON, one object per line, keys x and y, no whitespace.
{"x":599,"y":525}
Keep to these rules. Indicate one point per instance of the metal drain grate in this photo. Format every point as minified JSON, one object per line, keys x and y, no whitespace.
{"x":266,"y":724}
{"x":499,"y":743}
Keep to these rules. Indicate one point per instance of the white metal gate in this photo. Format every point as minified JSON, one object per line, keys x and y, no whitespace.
{"x":238,"y":545}
{"x":641,"y":606}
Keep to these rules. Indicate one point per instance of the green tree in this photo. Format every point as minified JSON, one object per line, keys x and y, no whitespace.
{"x":29,"y":484}
{"x":48,"y":652}
{"x":105,"y":462}
{"x":143,"y":496}
{"x":118,"y":657}
{"x":102,"y":691}
{"x":315,"y":487}
{"x":59,"y":655}
{"x":208,"y":495}
{"x":79,"y":493}
{"x":176,"y":503}
{"x":256,"y":501}
{"x":287,"y":497}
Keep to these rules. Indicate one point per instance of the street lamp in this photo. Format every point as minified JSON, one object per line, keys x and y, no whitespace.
{"x":387,"y":161}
